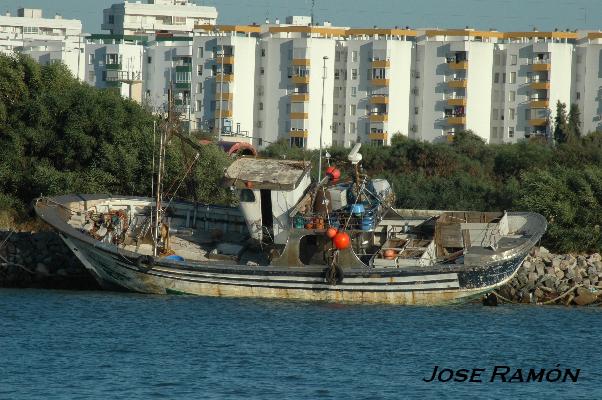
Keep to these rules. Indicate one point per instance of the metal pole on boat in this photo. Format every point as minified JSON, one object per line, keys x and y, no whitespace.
{"x":322,"y":119}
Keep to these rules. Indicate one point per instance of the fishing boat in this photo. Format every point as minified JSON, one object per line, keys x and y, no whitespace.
{"x":337,"y":240}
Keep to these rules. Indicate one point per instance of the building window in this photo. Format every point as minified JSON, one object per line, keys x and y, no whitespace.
{"x":91,"y":76}
{"x":496,"y":59}
{"x":179,"y":20}
{"x":416,"y":110}
{"x":352,"y":109}
{"x":504,"y":77}
{"x":260,"y":124}
{"x":354,"y":74}
{"x":200,"y":52}
{"x":513,"y":59}
{"x":512,"y":96}
{"x":337,"y":74}
{"x":111,"y":19}
{"x":578,"y":95}
{"x":260,"y":106}
{"x":263,"y":52}
{"x":199,"y":105}
{"x":512,"y":77}
{"x":91,"y":58}
{"x":494,"y":132}
{"x":337,"y":56}
{"x":495,"y":115}
{"x":496,"y":77}
{"x":199,"y":88}
{"x":354,"y":56}
{"x":353,"y":91}
{"x":199,"y":70}
{"x":298,"y":142}
{"x":352,"y":128}
{"x":149,"y":60}
{"x":336,"y":91}
{"x":104,"y":76}
{"x":511,"y":114}
{"x":511,"y":132}
{"x":261,"y":71}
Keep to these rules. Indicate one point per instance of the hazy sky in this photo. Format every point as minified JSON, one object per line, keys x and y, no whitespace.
{"x":505,"y":15}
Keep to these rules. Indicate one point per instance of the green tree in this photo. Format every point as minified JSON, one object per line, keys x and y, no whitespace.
{"x":574,"y":123}
{"x":561,"y":133}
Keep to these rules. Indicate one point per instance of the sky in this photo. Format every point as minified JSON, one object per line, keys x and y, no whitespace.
{"x":503,"y":15}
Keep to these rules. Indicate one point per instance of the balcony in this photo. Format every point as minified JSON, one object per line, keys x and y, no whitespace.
{"x":539,"y":103}
{"x":379,"y":117}
{"x":381,"y":64}
{"x":224,"y":96}
{"x":379,"y":99}
{"x":538,"y":122}
{"x":299,"y":133}
{"x":224,"y":78}
{"x":455,"y":119}
{"x":456,"y":101}
{"x":113,"y":66}
{"x":379,"y":82}
{"x":224,"y":59}
{"x":298,"y":115}
{"x":296,"y":79}
{"x":541,"y":65}
{"x":378,"y":136}
{"x":299,"y":97}
{"x":457,"y":83}
{"x":301,"y":62}
{"x":460,"y":65}
{"x":224,"y":114}
{"x":540,"y":85}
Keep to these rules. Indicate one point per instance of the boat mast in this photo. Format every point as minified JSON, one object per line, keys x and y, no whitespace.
{"x":160,"y":171}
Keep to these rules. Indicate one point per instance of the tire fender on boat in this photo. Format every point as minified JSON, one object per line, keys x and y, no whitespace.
{"x":334,"y":274}
{"x":145,"y":263}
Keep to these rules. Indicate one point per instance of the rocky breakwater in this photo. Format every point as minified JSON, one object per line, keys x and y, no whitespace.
{"x":41,"y":260}
{"x":547,"y":278}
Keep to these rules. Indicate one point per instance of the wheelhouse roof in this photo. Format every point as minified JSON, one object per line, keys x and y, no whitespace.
{"x":260,"y":173}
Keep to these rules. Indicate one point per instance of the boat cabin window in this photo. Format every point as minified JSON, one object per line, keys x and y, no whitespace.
{"x":247,"y":196}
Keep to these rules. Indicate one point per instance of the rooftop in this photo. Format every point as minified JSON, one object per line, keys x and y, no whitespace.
{"x":266,"y":174}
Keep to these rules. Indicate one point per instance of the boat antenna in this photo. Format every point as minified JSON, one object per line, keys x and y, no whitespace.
{"x":322,"y":119}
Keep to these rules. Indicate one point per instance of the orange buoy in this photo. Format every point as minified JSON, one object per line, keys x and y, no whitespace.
{"x":331,"y":232}
{"x":334,"y":173}
{"x":309,"y":225}
{"x":341,"y":241}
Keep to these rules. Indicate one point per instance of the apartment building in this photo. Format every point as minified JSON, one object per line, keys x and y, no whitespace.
{"x":587,"y":80}
{"x":137,"y":18}
{"x":115,"y":62}
{"x":47,"y":40}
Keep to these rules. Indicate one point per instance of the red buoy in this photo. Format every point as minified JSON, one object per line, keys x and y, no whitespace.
{"x":341,"y":241}
{"x":333,"y":172}
{"x":331,"y":232}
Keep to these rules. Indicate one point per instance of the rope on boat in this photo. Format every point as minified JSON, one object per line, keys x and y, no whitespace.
{"x":503,"y":298}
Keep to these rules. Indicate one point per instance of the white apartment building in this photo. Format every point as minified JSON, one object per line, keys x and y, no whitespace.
{"x":115,"y":62}
{"x":47,"y":40}
{"x":587,"y":80}
{"x":137,"y":18}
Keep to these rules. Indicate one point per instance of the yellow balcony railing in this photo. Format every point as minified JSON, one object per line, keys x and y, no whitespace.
{"x":541,"y":67}
{"x":300,"y":97}
{"x":380,"y":82}
{"x":300,"y":79}
{"x":381,"y":64}
{"x":538,"y":122}
{"x":462,"y":65}
{"x":224,"y":59}
{"x":301,"y":62}
{"x":539,"y":103}
{"x":457,"y":83}
{"x":298,"y":133}
{"x":378,"y":136}
{"x":298,"y":115}
{"x":224,"y":114}
{"x":379,"y":99}
{"x":224,"y":78}
{"x":456,"y":120}
{"x":379,"y":117}
{"x":540,"y":85}
{"x":224,"y":96}
{"x":461,"y":101}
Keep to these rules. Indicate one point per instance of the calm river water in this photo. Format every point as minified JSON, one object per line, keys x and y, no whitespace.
{"x":101,"y":345}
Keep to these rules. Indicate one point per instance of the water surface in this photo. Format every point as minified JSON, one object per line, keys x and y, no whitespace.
{"x":100,"y":345}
